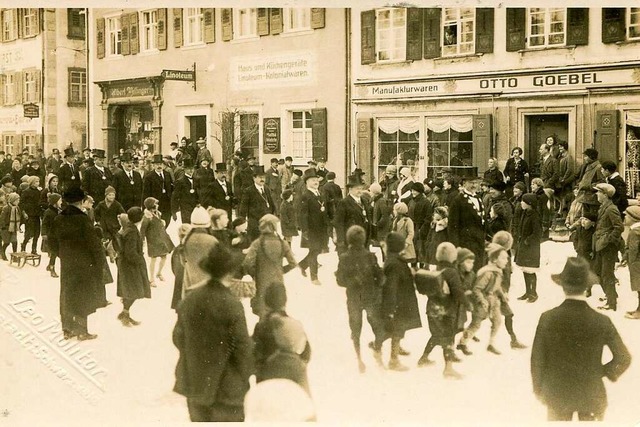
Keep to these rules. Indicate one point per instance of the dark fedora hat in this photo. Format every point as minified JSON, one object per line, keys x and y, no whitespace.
{"x":498,"y":185}
{"x":73,"y":195}
{"x":68,"y":152}
{"x":354,"y":181}
{"x":99,"y":153}
{"x":221,"y":167}
{"x":258,"y":170}
{"x":126,"y":157}
{"x":310,"y":173}
{"x":576,"y":275}
{"x":187,"y":163}
{"x":157,"y":158}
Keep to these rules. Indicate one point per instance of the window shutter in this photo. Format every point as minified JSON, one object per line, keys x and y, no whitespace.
{"x":177,"y":28}
{"x":38,"y":79}
{"x":39,"y":141}
{"x":263,"y":21}
{"x":124,"y":25}
{"x":1,"y":21}
{"x":577,"y":26}
{"x":209,"y":25}
{"x":432,"y":17}
{"x":2,"y":80}
{"x":18,"y":85}
{"x":19,"y":143}
{"x":275,"y":21}
{"x":365,"y":145}
{"x":162,"y":29}
{"x":607,"y":135}
{"x":319,"y":133}
{"x":414,"y":33}
{"x":100,"y":38}
{"x":317,"y":17}
{"x":516,"y":28}
{"x":37,"y":22}
{"x":227,"y":24}
{"x":613,"y":24}
{"x":134,"y":33}
{"x":368,"y":37}
{"x":484,"y":29}
{"x":482,"y":137}
{"x":17,"y":22}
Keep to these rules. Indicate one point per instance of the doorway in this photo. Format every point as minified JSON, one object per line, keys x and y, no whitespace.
{"x":197,"y":127}
{"x":537,"y":128}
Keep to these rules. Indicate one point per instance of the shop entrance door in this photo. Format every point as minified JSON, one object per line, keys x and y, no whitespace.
{"x":197,"y":127}
{"x":537,"y":129}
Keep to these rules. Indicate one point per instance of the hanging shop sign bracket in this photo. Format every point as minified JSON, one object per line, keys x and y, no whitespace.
{"x":181,"y":75}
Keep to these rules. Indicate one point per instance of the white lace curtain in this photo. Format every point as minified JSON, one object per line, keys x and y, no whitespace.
{"x":444,"y":123}
{"x":633,"y":118}
{"x":406,"y":125}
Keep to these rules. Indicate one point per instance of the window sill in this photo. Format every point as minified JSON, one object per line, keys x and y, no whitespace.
{"x":293,"y":33}
{"x":626,"y":42}
{"x":198,"y":45}
{"x":113,"y":57}
{"x":546,"y":48}
{"x":76,"y":104}
{"x":245,"y":39}
{"x":148,"y":52}
{"x":75,"y":37}
{"x":457,"y":58}
{"x":382,"y":64}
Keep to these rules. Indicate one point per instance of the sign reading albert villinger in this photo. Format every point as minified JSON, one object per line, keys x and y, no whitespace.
{"x":183,"y":76}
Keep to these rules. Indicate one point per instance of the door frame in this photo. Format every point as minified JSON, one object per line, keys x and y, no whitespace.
{"x":523,"y":126}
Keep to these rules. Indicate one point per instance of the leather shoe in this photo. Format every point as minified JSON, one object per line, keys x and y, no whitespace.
{"x":608,"y":307}
{"x":303,"y":271}
{"x":532,"y":298}
{"x":523,"y":297}
{"x":403,"y":352}
{"x":395,"y":365}
{"x":464,"y":349}
{"x":632,"y":315}
{"x":425,"y":361}
{"x":515,"y":344}
{"x":87,"y":336}
{"x":492,"y":349}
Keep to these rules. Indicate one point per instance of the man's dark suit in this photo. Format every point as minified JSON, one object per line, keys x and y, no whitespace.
{"x":129,"y":195}
{"x":184,"y":198}
{"x":242,"y":180}
{"x":566,"y":360}
{"x":333,"y":194}
{"x":466,"y":227}
{"x":154,"y":186}
{"x":214,"y":195}
{"x":549,"y":172}
{"x":94,"y":184}
{"x":313,"y":221}
{"x":349,"y":213}
{"x":68,"y":178}
{"x":620,"y":196}
{"x":254,"y":206}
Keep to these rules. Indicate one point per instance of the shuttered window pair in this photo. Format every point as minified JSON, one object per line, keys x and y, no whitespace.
{"x":20,"y":87}
{"x":14,"y":144}
{"x":620,"y":24}
{"x":193,"y":26}
{"x":131,"y":33}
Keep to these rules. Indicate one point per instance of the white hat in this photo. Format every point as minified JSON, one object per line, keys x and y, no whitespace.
{"x":278,"y":400}
{"x":200,"y":218}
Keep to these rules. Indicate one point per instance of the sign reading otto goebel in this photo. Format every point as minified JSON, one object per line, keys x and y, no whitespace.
{"x":271,"y":135}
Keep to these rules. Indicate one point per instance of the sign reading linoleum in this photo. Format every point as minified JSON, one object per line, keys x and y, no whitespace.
{"x":265,"y":71}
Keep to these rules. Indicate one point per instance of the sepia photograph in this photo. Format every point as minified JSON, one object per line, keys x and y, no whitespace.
{"x":345,"y":213}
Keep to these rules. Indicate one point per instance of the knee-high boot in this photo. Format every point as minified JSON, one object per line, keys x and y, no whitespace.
{"x":527,"y":286}
{"x":533,"y":295}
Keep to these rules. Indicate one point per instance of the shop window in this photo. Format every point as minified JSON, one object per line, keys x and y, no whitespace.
{"x":30,"y":22}
{"x":450,"y":144}
{"x":391,"y":34}
{"x":149,"y":31}
{"x":114,"y":36}
{"x":76,"y":23}
{"x":30,"y":142}
{"x":632,"y":151}
{"x":30,"y":88}
{"x":297,"y":19}
{"x":398,"y":142}
{"x":194,"y":26}
{"x":77,"y":86}
{"x":547,"y":27}
{"x":9,"y":143}
{"x":248,"y":124}
{"x":8,"y":89}
{"x":458,"y":31}
{"x":9,"y":24}
{"x":301,"y":136}
{"x":245,"y":23}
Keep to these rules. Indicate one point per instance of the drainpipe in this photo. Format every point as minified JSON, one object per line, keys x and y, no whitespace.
{"x":347,"y":121}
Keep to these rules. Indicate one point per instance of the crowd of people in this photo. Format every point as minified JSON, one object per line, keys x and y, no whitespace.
{"x":454,"y":239}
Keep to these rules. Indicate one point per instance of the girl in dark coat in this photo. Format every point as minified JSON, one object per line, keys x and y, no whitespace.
{"x":528,"y":253}
{"x":399,"y":303}
{"x":50,"y":186}
{"x":444,"y":311}
{"x":53,"y":210}
{"x":288,"y":216}
{"x":159,"y":243}
{"x":518,"y":191}
{"x":437,"y":234}
{"x":107,"y":212}
{"x":541,"y":205}
{"x":497,"y":220}
{"x":30,"y":204}
{"x":177,"y":266}
{"x":382,"y":214}
{"x":10,"y":220}
{"x":133,"y":282}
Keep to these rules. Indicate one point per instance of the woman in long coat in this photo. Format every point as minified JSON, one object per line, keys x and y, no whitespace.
{"x":403,"y":225}
{"x":528,"y":253}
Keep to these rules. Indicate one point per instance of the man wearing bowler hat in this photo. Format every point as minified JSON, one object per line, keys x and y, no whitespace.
{"x":466,"y":220}
{"x":566,"y":358}
{"x":69,"y":173}
{"x":256,"y":202}
{"x":244,"y":178}
{"x":220,"y":192}
{"x":272,"y":182}
{"x":184,"y":198}
{"x":354,"y":209}
{"x":313,"y":220}
{"x":158,"y":184}
{"x":97,"y":178}
{"x":128,"y":184}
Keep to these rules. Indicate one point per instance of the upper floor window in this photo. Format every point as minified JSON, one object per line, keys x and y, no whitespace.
{"x":9,"y":89}
{"x":9,"y":24}
{"x":30,"y":90}
{"x":194,"y":26}
{"x":633,"y":23}
{"x":391,"y":34}
{"x":77,"y":85}
{"x":75,"y":23}
{"x":29,"y":22}
{"x":114,"y":36}
{"x":458,"y":31}
{"x":547,"y":26}
{"x":297,"y":19}
{"x":245,"y":23}
{"x":149,"y":30}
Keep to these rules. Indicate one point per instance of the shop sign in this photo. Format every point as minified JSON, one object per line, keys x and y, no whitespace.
{"x":265,"y":71}
{"x":520,"y":83}
{"x":183,"y":76}
{"x":271,"y":135}
{"x":129,"y":90}
{"x":31,"y":111}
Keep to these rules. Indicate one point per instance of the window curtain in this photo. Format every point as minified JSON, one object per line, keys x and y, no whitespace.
{"x":406,"y":125}
{"x":633,"y":118}
{"x":443,"y":124}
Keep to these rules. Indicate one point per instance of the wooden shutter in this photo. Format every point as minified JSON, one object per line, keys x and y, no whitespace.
{"x":263,"y":21}
{"x":368,"y":37}
{"x":516,"y":28}
{"x":38,"y":79}
{"x":319,"y":133}
{"x":607,"y":135}
{"x":227,"y":24}
{"x":209,"y":20}
{"x":414,"y":33}
{"x":177,"y":28}
{"x":613,"y":24}
{"x":275,"y":21}
{"x":577,"y":26}
{"x":2,"y":80}
{"x":124,"y":34}
{"x":482,"y":137}
{"x":162,"y":29}
{"x":36,"y":21}
{"x":18,"y":85}
{"x":100,"y":48}
{"x":365,"y":145}
{"x":317,"y":17}
{"x":17,"y":22}
{"x":432,"y":19}
{"x":484,"y":29}
{"x":134,"y":33}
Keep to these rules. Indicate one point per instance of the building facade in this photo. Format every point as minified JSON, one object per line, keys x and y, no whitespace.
{"x":269,"y":81}
{"x":450,"y":87}
{"x":43,"y":73}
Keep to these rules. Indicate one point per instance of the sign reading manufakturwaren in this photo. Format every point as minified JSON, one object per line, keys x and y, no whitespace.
{"x":31,"y":111}
{"x":183,"y":76}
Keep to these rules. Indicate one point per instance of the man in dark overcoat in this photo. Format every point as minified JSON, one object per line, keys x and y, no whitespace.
{"x":219,"y":191}
{"x":159,"y":185}
{"x":611,"y":176}
{"x":69,"y":174}
{"x":97,"y":178}
{"x":128,"y":184}
{"x":466,"y":220}
{"x":244,"y":177}
{"x":313,"y":220}
{"x":273,"y":183}
{"x":74,"y":239}
{"x":184,"y":198}
{"x":566,"y":358}
{"x":352,"y":210}
{"x":256,"y":202}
